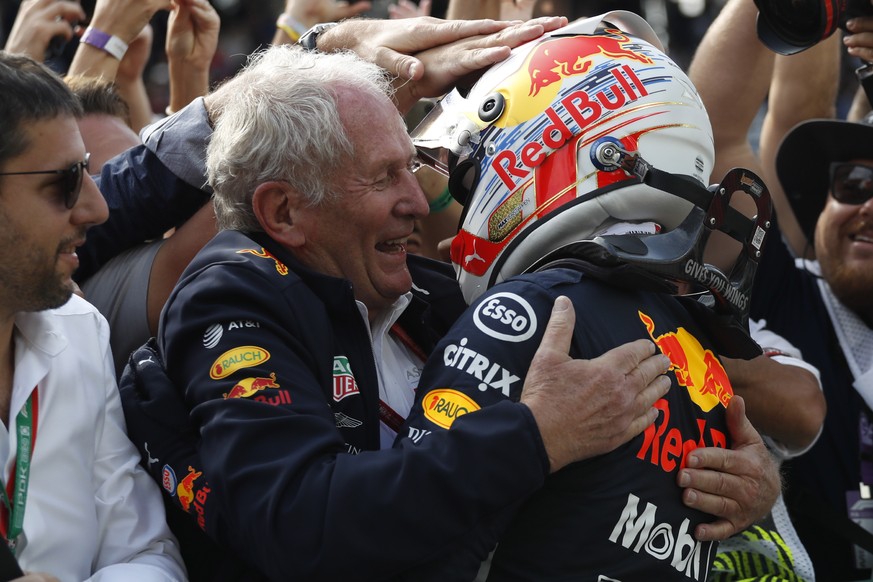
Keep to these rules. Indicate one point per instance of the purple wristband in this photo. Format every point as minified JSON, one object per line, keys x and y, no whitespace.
{"x":106,"y":42}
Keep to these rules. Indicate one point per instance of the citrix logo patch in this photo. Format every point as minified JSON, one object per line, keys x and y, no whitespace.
{"x":490,"y":375}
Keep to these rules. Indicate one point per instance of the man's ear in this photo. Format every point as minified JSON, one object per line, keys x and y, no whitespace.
{"x":277,"y":205}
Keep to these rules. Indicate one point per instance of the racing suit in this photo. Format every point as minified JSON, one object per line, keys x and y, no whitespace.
{"x":618,"y":516}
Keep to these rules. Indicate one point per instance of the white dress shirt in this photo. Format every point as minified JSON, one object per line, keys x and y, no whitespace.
{"x":92,"y":513}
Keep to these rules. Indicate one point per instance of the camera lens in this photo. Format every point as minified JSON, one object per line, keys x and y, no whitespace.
{"x":790,"y":26}
{"x":796,"y":19}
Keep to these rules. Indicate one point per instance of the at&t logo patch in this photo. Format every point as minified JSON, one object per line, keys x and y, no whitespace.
{"x":212,"y":336}
{"x":506,"y":317}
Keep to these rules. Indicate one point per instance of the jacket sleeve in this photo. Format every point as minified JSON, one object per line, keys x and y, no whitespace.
{"x":291,"y":499}
{"x":150,"y":188}
{"x":480,"y":363}
{"x":135,"y":542}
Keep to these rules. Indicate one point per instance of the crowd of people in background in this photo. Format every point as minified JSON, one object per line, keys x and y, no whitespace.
{"x":252,"y":278}
{"x":247,"y":25}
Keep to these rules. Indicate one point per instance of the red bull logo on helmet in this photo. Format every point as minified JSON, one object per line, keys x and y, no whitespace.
{"x":560,"y":57}
{"x":571,"y":116}
{"x":696,"y":368}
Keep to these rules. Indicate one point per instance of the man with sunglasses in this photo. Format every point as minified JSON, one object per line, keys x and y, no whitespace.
{"x":820,"y":172}
{"x":74,"y":502}
{"x":825,"y":307}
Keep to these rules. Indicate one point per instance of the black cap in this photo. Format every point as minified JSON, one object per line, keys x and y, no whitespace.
{"x":804,"y":158}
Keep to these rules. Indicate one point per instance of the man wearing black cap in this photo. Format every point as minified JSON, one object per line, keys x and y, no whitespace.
{"x":823,"y":306}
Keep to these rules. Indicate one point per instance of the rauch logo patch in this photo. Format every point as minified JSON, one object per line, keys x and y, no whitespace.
{"x":237,"y":359}
{"x":443,"y":406}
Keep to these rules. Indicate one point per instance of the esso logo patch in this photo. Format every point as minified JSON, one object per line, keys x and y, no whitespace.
{"x":168,"y":480}
{"x":507,"y":317}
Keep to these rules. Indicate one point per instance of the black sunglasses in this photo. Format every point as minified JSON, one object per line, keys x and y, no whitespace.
{"x":851,"y":183}
{"x":73,"y":177}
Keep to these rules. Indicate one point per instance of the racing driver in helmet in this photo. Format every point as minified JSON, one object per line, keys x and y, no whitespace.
{"x":582,"y":162}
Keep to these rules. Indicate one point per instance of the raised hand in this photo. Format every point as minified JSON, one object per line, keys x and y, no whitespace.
{"x":38,"y":22}
{"x":192,"y":39}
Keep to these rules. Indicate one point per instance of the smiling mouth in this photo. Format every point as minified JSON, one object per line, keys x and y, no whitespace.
{"x":70,"y":247}
{"x":395,"y":246}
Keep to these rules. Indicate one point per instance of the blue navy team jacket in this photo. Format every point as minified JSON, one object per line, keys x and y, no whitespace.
{"x":274,"y":363}
{"x":145,"y":200}
{"x":618,"y":516}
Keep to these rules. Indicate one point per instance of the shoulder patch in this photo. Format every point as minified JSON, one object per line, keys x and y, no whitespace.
{"x":237,"y":359}
{"x":263,"y":253}
{"x":443,"y":406}
{"x":506,"y":317}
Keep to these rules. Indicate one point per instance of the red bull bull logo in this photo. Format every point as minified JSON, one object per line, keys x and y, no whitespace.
{"x":697,"y":369}
{"x":185,"y":489}
{"x":248,"y":387}
{"x":265,"y":254}
{"x":557,"y":58}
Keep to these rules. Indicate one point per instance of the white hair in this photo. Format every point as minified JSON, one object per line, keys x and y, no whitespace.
{"x":279,"y":120}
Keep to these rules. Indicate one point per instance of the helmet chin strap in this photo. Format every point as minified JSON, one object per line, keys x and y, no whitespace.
{"x":678,"y":255}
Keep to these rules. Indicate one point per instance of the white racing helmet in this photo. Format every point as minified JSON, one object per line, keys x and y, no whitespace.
{"x":589,"y":142}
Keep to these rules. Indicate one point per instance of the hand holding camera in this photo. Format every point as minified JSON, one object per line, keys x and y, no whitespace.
{"x":43,"y":27}
{"x":790,"y":26}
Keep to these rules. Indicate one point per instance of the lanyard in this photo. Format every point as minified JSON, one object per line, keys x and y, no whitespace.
{"x":16,"y":487}
{"x":388,"y":415}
